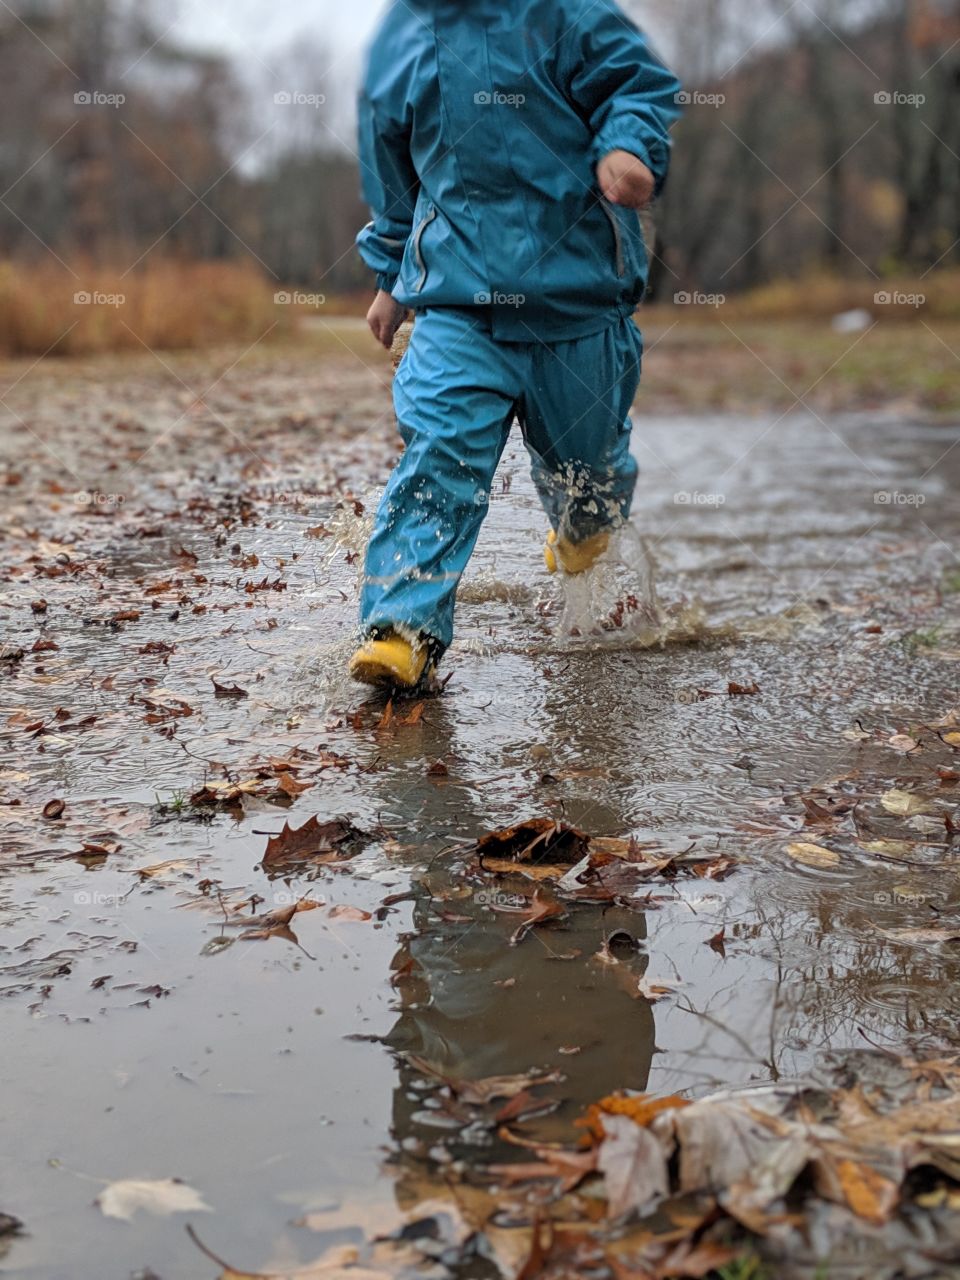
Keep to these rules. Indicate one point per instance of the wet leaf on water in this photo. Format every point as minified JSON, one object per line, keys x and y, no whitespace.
{"x":315,"y":839}
{"x":541,"y":910}
{"x":742,"y":690}
{"x":226,"y":792}
{"x":933,"y":934}
{"x":888,"y":848}
{"x":906,"y":803}
{"x":168,"y":1195}
{"x":290,"y":785}
{"x":540,"y":840}
{"x":813,"y":855}
{"x":654,"y":989}
{"x":227,"y":690}
{"x":479,"y":1092}
{"x":340,"y":1263}
{"x":716,"y":943}
{"x":903,"y":743}
{"x":567,"y":1168}
{"x":391,"y":720}
{"x":344,"y":912}
{"x":160,"y":868}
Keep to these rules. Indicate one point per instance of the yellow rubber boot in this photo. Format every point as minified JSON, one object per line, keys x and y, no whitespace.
{"x":390,"y":661}
{"x":574,"y":557}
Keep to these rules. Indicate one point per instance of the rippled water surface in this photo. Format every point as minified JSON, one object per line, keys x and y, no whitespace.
{"x":807,"y":616}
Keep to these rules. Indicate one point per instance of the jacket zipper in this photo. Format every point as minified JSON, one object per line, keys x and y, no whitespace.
{"x":617,"y":237}
{"x":417,"y":253}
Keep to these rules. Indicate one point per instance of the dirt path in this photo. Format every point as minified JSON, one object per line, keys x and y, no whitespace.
{"x":181,"y":549}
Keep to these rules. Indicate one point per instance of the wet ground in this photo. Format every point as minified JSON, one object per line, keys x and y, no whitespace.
{"x":181,"y":547}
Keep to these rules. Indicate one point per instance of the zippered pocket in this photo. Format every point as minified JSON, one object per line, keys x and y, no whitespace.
{"x":417,"y":250}
{"x":617,"y":237}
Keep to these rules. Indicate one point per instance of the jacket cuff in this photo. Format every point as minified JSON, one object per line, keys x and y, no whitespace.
{"x":387,"y":282}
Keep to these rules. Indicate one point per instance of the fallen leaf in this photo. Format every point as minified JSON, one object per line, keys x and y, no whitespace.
{"x":654,"y":989}
{"x":315,"y":839}
{"x":716,"y":943}
{"x":906,"y":803}
{"x":344,"y":912}
{"x":813,"y":855}
{"x":228,"y":690}
{"x":932,"y":934}
{"x":123,"y":1199}
{"x":634,"y":1165}
{"x":480,"y":1092}
{"x":541,"y":910}
{"x":541,"y":840}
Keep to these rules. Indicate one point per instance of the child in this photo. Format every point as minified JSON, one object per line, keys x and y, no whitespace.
{"x":506,"y":147}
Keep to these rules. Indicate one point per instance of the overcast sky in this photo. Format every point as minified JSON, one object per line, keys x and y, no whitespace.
{"x":250,"y":28}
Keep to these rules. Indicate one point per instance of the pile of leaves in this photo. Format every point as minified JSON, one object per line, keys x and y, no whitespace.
{"x":773,"y":1181}
{"x":588,"y":868}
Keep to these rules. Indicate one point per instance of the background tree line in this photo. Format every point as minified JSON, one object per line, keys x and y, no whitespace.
{"x":823,"y":135}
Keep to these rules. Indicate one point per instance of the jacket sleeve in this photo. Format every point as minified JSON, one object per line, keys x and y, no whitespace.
{"x":390,"y":188}
{"x":629,"y":96}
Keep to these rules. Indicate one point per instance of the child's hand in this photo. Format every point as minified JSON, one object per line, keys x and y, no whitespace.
{"x":385,"y":317}
{"x":625,"y":179}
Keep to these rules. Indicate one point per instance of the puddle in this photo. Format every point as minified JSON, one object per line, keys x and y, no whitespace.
{"x":791,"y":627}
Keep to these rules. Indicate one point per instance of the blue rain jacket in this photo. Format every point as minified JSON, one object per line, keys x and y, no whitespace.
{"x":481,"y":124}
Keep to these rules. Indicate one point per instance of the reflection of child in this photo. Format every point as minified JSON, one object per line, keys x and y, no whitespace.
{"x":471,"y":1008}
{"x":506,"y":149}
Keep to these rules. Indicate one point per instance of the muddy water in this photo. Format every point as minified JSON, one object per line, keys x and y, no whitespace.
{"x":144,"y":1036}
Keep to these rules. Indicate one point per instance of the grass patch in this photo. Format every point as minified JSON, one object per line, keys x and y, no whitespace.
{"x":53,"y":309}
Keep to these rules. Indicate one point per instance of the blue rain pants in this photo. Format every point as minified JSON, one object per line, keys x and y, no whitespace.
{"x":456,"y":394}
